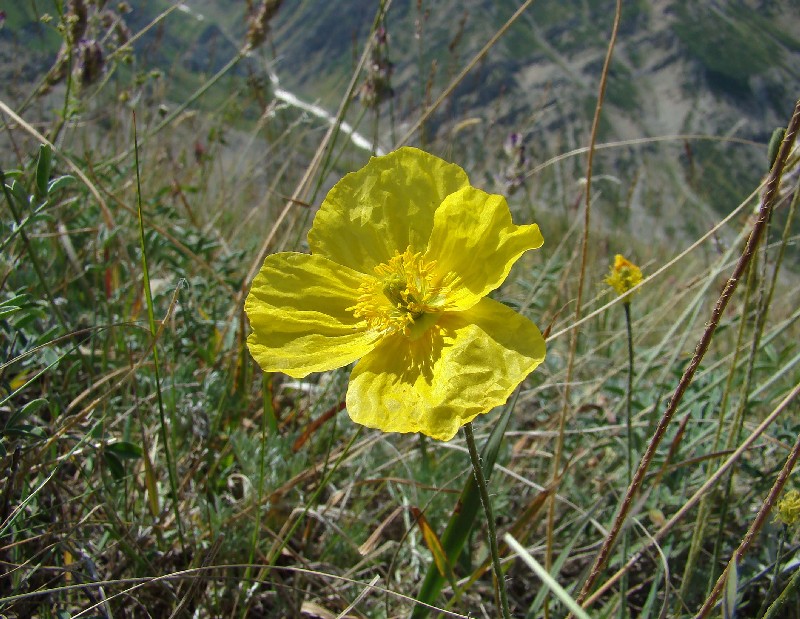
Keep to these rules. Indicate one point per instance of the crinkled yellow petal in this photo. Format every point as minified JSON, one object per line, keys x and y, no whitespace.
{"x":298,"y":308}
{"x":384,"y":207}
{"x":465,"y":366}
{"x":474,"y":239}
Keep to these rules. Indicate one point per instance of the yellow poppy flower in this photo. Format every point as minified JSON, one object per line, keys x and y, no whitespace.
{"x":624,"y":275}
{"x":403,"y":254}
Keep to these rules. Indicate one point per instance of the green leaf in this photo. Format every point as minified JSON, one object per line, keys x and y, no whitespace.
{"x":59,"y":183}
{"x":124,"y":449}
{"x":26,"y":411}
{"x":114,"y":465}
{"x":463,"y":517}
{"x":7,"y":310}
{"x":731,"y":586}
{"x":13,"y":174}
{"x":18,"y":191}
{"x":43,"y":168}
{"x":20,"y":299}
{"x":24,"y":431}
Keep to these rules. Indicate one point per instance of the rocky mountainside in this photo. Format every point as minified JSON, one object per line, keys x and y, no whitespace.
{"x":726,"y":70}
{"x":722,"y":69}
{"x":678,"y":66}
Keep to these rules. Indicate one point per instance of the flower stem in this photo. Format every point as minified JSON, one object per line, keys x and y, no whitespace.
{"x":629,"y":394}
{"x":477,"y":470}
{"x":629,"y":427}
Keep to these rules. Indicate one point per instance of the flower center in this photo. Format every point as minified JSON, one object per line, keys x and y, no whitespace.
{"x":404,"y":297}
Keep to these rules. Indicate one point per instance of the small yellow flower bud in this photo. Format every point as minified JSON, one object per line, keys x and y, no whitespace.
{"x":624,"y":275}
{"x":789,"y":508}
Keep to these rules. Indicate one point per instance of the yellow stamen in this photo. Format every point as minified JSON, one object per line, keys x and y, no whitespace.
{"x":404,"y":297}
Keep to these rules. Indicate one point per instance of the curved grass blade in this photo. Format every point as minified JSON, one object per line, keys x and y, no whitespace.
{"x":547,"y":579}
{"x":173,"y":482}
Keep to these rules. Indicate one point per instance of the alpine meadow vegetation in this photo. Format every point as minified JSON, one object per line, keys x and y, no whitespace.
{"x":302,"y":325}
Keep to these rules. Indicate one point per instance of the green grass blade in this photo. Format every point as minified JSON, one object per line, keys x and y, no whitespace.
{"x":547,"y":579}
{"x":173,"y":482}
{"x":535,"y":608}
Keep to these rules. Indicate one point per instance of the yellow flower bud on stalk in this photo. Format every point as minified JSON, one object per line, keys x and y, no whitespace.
{"x":624,"y":275}
{"x":789,"y":508}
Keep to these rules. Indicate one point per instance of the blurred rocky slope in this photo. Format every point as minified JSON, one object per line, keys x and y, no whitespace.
{"x":721,"y":69}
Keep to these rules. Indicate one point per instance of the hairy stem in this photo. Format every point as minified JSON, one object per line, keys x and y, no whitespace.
{"x":623,"y":587}
{"x":487,"y":508}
